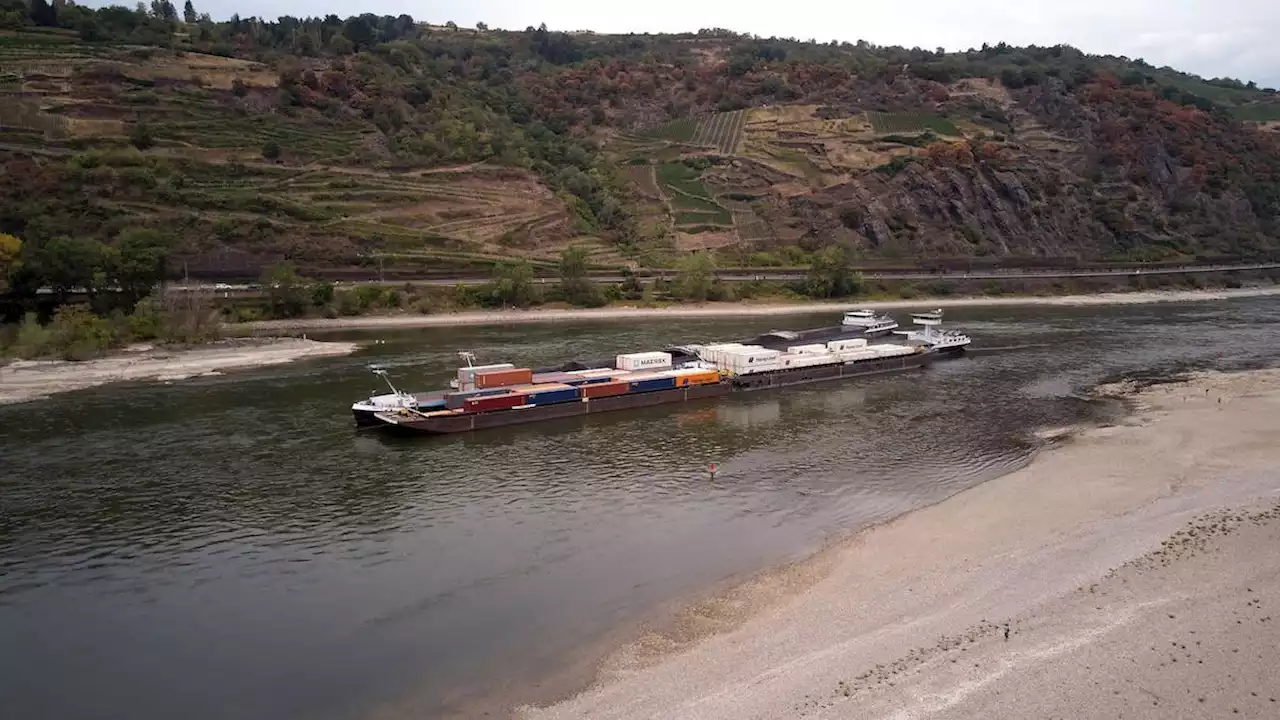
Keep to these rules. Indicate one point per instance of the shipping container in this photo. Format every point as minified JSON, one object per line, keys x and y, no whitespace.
{"x":854,"y":344}
{"x":494,"y":402}
{"x":466,"y":375}
{"x":696,"y":377}
{"x":504,"y":378}
{"x":650,"y":384}
{"x":606,"y":389}
{"x":554,"y":377}
{"x":817,"y":348}
{"x":456,"y":399}
{"x":593,"y":372}
{"x":644,"y":361}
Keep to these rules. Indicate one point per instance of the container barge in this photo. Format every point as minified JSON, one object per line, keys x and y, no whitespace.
{"x":499,"y":395}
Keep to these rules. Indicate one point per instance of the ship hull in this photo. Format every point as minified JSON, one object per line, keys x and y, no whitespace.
{"x":469,"y":422}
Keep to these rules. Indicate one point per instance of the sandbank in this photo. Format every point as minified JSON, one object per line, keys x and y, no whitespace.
{"x":26,"y":380}
{"x":728,"y":310}
{"x":1134,"y":566}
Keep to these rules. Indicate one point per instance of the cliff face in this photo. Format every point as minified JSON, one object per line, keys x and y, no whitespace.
{"x":1101,"y":172}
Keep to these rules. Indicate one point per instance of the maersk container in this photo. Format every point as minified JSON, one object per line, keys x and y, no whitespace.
{"x":644,"y":361}
{"x":653,"y":383}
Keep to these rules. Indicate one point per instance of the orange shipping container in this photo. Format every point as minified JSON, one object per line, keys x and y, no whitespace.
{"x":700,"y":378}
{"x":503,"y":378}
{"x":599,"y":390}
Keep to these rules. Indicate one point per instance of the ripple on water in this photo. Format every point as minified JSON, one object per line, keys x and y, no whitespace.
{"x":320,"y":570}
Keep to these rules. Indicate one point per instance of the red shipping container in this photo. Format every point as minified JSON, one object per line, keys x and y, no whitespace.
{"x":503,"y":378}
{"x":599,"y":390}
{"x":486,"y":403}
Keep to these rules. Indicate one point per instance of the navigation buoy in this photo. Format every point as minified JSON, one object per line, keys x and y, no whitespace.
{"x":713,"y":469}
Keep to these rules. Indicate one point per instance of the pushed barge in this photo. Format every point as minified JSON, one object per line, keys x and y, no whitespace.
{"x":499,"y":395}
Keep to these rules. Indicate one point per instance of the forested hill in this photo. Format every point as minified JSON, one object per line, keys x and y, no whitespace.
{"x":370,"y":140}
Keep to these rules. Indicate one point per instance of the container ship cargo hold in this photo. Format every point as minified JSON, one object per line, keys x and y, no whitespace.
{"x":496,"y":396}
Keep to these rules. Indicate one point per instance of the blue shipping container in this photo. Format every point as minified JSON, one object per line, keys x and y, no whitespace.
{"x":550,"y":397}
{"x":651,"y":384}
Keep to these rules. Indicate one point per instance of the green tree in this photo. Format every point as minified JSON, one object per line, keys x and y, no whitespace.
{"x":68,"y":264}
{"x":271,"y":150}
{"x":189,"y":13}
{"x":575,"y":283}
{"x":164,"y":10}
{"x":512,"y":283}
{"x":696,"y":278}
{"x":43,"y":13}
{"x":322,"y":294}
{"x":832,"y":275}
{"x":286,"y":292}
{"x":140,"y":262}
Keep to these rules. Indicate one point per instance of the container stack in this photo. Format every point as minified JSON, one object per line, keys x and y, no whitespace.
{"x":466,"y":375}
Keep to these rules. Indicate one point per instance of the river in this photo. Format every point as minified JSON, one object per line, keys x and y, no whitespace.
{"x":231,"y":547}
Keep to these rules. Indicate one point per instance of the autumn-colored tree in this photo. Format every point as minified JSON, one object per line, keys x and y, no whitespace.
{"x":10,"y":249}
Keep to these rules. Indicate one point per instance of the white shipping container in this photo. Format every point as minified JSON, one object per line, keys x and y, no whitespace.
{"x":839,"y":345}
{"x":715,"y":353}
{"x":751,"y":360}
{"x":644,"y":361}
{"x":802,"y":349}
{"x":856,"y":355}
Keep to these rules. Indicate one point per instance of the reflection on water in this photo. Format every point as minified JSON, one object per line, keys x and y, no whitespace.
{"x":230,"y":547}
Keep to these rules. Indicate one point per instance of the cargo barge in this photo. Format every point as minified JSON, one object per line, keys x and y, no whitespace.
{"x":500,"y":395}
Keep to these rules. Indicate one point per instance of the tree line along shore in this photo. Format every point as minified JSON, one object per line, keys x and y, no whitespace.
{"x":97,"y":297}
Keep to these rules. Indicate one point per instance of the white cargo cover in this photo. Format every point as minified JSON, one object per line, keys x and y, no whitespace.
{"x":644,"y":361}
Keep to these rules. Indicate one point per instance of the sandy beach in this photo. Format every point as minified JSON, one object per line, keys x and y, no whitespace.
{"x":1133,"y":566}
{"x":26,"y":380}
{"x":711,"y":310}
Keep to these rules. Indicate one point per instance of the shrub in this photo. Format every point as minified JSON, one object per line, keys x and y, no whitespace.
{"x":31,"y":339}
{"x":271,"y":150}
{"x":77,"y":334}
{"x":322,"y":294}
{"x":141,"y":135}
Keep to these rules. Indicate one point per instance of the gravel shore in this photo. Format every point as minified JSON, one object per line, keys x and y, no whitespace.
{"x":1133,"y":565}
{"x":26,"y":380}
{"x":712,"y":310}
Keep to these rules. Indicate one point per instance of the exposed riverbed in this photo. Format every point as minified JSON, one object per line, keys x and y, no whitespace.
{"x":228,"y":546}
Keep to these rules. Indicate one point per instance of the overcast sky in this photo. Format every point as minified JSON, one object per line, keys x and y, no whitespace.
{"x":1234,"y":38}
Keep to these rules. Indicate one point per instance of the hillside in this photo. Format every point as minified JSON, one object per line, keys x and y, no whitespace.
{"x":382,"y":141}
